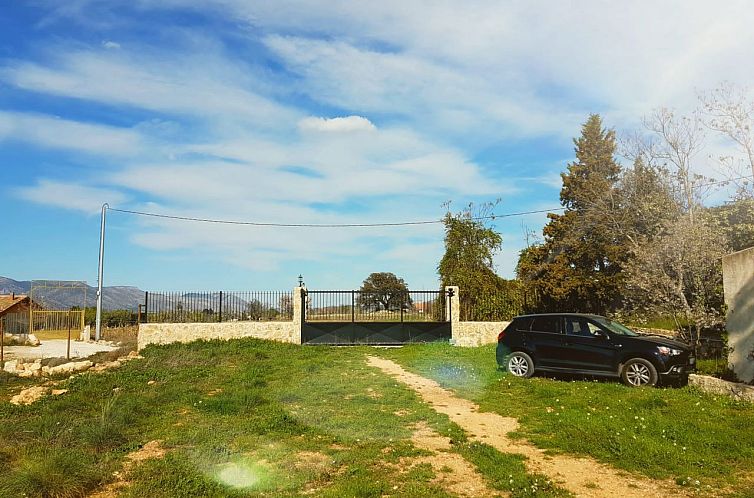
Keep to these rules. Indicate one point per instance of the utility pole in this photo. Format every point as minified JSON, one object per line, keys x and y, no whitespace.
{"x":100,"y":271}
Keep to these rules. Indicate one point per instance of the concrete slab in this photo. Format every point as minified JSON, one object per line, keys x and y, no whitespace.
{"x":56,"y":348}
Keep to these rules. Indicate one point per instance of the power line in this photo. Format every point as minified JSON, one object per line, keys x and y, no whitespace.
{"x":365,"y":225}
{"x":322,"y":225}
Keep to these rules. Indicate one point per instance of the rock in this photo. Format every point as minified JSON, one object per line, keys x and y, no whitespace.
{"x":151,"y":382}
{"x":25,"y":374}
{"x":28,"y":396}
{"x":719,"y":386}
{"x":70,"y":368}
{"x":32,"y":340}
{"x":10,"y":366}
{"x":58,"y":392}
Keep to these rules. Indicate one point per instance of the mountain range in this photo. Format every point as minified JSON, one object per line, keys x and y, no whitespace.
{"x":113,"y":298}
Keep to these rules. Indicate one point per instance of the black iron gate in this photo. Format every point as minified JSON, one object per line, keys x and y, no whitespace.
{"x":379,"y":318}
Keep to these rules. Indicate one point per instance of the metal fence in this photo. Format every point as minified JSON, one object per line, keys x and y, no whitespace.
{"x":497,"y":306}
{"x":221,"y":306}
{"x":361,"y":306}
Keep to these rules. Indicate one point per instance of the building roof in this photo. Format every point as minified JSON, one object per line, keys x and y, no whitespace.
{"x":7,"y":301}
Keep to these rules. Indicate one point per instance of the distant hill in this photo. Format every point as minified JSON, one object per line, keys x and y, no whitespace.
{"x":113,"y":298}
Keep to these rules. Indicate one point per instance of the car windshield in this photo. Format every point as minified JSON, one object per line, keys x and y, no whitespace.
{"x":616,"y":327}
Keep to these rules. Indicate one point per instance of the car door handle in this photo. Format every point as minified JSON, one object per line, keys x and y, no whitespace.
{"x":619,"y":345}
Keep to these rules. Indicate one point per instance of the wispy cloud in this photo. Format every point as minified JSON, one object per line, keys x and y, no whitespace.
{"x":49,"y":131}
{"x":72,"y":196}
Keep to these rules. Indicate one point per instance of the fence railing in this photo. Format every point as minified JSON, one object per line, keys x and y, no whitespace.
{"x":497,"y":306}
{"x":220,"y":306}
{"x":362,"y":306}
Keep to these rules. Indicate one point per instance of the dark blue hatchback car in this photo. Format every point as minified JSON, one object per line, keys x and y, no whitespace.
{"x":593,"y":345}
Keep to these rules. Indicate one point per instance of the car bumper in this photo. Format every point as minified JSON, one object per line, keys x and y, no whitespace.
{"x":679,"y":369}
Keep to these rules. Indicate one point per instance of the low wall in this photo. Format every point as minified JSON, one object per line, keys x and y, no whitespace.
{"x":166,"y":333}
{"x":472,"y":334}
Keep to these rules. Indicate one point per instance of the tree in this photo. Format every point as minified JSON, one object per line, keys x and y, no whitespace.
{"x":736,"y":221}
{"x":470,"y":246}
{"x":578,"y":266}
{"x":679,"y":274}
{"x":728,"y":111}
{"x":384,"y":291}
{"x":672,"y":144}
{"x":255,"y":309}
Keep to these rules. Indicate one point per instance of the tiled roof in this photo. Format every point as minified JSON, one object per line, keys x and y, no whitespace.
{"x":9,"y":300}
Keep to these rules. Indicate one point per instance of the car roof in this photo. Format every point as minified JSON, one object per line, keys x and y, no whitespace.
{"x":586,"y":315}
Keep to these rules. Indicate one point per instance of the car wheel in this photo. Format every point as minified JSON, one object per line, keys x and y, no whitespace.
{"x":639,"y":372}
{"x":520,"y":364}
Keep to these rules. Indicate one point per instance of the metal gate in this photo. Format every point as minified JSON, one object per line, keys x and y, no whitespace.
{"x":377,"y":318}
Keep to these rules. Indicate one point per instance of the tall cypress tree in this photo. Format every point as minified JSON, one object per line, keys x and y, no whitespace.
{"x":577,"y":268}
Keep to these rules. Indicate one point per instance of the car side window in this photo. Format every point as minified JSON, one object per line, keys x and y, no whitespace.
{"x":593,"y":327}
{"x":577,"y":326}
{"x":546,"y":324}
{"x":523,"y":324}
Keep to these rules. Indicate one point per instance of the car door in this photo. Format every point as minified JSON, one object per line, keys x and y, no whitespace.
{"x":587,"y":346}
{"x":546,"y":340}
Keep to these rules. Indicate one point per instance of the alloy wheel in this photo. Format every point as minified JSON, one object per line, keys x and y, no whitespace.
{"x":638,"y":374}
{"x":518,"y":366}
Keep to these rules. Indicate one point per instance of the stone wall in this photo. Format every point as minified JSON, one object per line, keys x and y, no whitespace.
{"x":469,"y":334}
{"x":166,"y":333}
{"x":473,"y":334}
{"x":738,"y":283}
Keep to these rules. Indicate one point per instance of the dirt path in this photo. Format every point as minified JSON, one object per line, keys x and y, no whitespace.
{"x":582,"y":476}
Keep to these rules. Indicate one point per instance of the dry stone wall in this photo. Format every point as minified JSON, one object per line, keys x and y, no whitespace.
{"x":473,"y":334}
{"x":166,"y":333}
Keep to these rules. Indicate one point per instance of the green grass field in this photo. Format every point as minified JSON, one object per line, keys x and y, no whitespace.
{"x":254,"y":418}
{"x":661,"y":433}
{"x":238,"y":418}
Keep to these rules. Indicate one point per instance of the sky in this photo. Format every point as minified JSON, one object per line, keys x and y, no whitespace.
{"x":318,"y":112}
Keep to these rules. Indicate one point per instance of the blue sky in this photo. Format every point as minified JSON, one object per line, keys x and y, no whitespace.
{"x":317,"y":112}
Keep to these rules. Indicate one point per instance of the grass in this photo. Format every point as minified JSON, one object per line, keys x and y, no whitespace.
{"x":238,"y":418}
{"x":662,"y":433}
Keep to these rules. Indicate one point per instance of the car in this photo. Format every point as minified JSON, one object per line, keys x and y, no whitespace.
{"x":592,"y":345}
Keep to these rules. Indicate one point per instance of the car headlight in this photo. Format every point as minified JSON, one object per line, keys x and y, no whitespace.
{"x":666,"y":351}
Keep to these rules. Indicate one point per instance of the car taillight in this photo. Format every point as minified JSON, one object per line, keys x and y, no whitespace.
{"x":501,"y":335}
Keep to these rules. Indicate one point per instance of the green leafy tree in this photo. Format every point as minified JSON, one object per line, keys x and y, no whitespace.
{"x":577,"y":267}
{"x":470,"y":247}
{"x":736,"y":221}
{"x":384,"y":291}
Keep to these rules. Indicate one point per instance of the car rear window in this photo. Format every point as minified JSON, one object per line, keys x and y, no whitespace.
{"x":546,"y":324}
{"x":522,"y":323}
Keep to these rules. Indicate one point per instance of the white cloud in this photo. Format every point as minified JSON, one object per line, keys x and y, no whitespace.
{"x":48,"y":131}
{"x":342,"y":124}
{"x":72,"y":196}
{"x":202,"y":84}
{"x":110,"y":45}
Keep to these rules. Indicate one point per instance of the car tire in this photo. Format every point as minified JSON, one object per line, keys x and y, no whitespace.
{"x":520,"y":364}
{"x":638,"y":372}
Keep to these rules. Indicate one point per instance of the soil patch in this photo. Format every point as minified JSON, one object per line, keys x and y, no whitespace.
{"x":576,"y":474}
{"x":453,"y":472}
{"x":152,"y":449}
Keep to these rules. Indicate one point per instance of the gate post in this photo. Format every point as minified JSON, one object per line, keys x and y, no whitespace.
{"x":299,"y":312}
{"x":453,"y":309}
